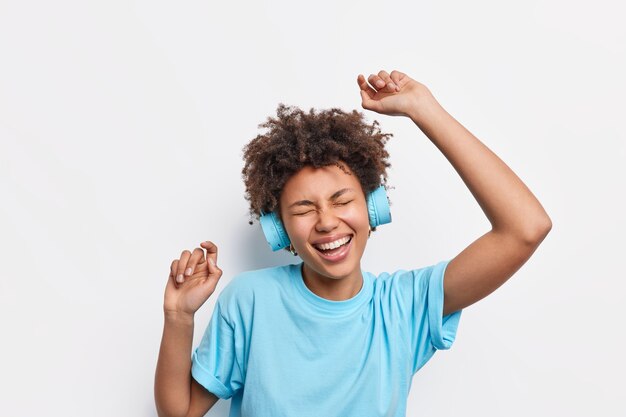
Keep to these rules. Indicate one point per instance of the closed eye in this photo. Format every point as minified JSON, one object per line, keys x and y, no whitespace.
{"x":344,"y":203}
{"x":336,"y":204}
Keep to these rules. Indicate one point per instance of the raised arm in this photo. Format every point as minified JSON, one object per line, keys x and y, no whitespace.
{"x":192,"y":280}
{"x":519,"y":222}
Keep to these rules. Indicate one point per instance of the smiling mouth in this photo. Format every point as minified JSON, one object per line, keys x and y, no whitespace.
{"x":334,"y":247}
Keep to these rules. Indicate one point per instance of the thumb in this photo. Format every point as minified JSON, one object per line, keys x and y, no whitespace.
{"x":211,"y":251}
{"x":215,"y":274}
{"x":369,"y":104}
{"x":213,"y":269}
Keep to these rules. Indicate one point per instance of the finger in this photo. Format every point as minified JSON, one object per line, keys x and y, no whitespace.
{"x":368,"y":103}
{"x":382,"y":82}
{"x":215,"y":273}
{"x":172,"y":277}
{"x":366,"y":90}
{"x":211,"y":250}
{"x":384,"y":76}
{"x":389,"y":86}
{"x":173,"y":270}
{"x":376,"y":82}
{"x":364,"y":86}
{"x":171,"y":282}
{"x":214,"y":270}
{"x":196,"y":257}
{"x":182,"y":264}
{"x":399,"y":78}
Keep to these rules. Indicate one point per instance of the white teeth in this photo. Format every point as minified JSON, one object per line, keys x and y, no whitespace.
{"x":333,"y":245}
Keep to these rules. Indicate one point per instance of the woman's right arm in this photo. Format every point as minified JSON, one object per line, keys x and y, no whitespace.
{"x":176,"y":392}
{"x":192,"y":280}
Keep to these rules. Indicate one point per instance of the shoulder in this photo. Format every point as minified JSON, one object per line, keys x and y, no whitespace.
{"x":250,"y":289}
{"x":402,"y":291}
{"x":394,"y":283}
{"x":404,"y":280}
{"x":253,"y":283}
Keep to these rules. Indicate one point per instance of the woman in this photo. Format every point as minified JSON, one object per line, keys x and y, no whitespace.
{"x":323,"y":337}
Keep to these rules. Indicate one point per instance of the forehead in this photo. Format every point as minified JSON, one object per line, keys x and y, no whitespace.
{"x":318,"y":183}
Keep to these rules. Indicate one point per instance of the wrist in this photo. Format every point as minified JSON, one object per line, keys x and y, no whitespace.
{"x":178,"y":317}
{"x":423,"y":106}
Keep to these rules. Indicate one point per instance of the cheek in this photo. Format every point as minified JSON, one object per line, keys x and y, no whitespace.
{"x":356,"y":217}
{"x":299,"y":228}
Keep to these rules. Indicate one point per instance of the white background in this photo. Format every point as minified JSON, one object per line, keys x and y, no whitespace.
{"x":122,"y":126}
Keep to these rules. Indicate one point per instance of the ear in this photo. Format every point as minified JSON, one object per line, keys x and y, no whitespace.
{"x":378,"y":207}
{"x":274,"y":231}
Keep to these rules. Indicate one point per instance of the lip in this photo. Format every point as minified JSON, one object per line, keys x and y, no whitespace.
{"x":329,"y":239}
{"x":341,"y":255}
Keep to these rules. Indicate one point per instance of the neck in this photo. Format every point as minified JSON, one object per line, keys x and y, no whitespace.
{"x":334,"y":289}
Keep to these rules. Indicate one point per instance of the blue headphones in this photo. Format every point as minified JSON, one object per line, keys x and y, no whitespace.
{"x":377,"y":207}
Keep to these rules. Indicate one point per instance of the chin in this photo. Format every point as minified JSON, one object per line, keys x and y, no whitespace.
{"x":338,"y":272}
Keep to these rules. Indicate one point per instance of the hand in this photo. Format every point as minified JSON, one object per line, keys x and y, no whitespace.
{"x":394,"y":94}
{"x":192,"y":280}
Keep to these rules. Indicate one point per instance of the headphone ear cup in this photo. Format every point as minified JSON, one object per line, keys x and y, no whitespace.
{"x":274,"y":231}
{"x":378,"y":207}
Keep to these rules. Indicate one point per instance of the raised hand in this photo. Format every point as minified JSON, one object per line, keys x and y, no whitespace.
{"x":394,"y":94}
{"x":192,"y":280}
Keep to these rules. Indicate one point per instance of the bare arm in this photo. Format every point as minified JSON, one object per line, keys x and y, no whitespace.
{"x":506,"y":201}
{"x":519,"y":222}
{"x":176,"y":393}
{"x":192,"y":280}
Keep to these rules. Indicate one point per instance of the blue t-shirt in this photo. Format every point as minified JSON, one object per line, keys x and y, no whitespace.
{"x":278,"y":349}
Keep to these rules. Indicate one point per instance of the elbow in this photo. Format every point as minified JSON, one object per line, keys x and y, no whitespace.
{"x":168,"y":408}
{"x":536,"y":234}
{"x":162,"y":413}
{"x":532,"y":233}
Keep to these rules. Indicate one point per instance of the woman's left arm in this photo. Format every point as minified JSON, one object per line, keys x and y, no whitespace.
{"x":519,"y":222}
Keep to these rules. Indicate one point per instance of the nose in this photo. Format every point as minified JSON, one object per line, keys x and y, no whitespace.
{"x":326,"y":221}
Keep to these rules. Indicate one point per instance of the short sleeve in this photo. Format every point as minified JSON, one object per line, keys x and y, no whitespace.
{"x":214,"y":363}
{"x":430,"y":330}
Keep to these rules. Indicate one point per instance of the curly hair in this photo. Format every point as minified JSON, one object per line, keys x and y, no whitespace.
{"x":296,"y":139}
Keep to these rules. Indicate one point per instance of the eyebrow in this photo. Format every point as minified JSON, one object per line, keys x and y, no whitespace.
{"x":332,"y":197}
